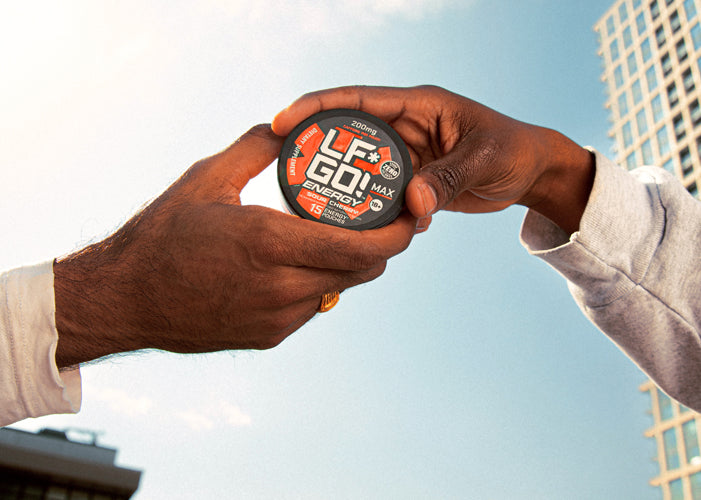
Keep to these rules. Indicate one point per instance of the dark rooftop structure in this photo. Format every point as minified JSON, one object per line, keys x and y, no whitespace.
{"x":48,"y":465}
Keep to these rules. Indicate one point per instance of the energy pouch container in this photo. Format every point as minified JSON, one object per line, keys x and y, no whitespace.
{"x":346,"y":168}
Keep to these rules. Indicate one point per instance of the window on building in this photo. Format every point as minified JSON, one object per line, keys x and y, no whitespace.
{"x":682,"y":53}
{"x":631,"y":163}
{"x":659,"y":36}
{"x":669,"y":166}
{"x":80,"y":495}
{"x":657,"y":109}
{"x":641,"y":122}
{"x":696,"y":35}
{"x":627,"y":132}
{"x":610,"y":25}
{"x":646,"y":50}
{"x":691,"y":438}
{"x":613,"y":50}
{"x":56,"y":493}
{"x":34,"y":491}
{"x":647,"y":153}
{"x":637,"y":90}
{"x":663,"y":141}
{"x":669,"y":2}
{"x":622,"y":13}
{"x":687,"y":168}
{"x":632,"y":64}
{"x":640,"y":23}
{"x":654,"y":10}
{"x":671,"y":453}
{"x":695,"y":483}
{"x":679,"y":128}
{"x":688,"y":80}
{"x":651,"y":77}
{"x":636,"y":4}
{"x":695,"y":112}
{"x":627,"y":38}
{"x":666,"y":62}
{"x":674,"y":21}
{"x":622,"y":104}
{"x":10,"y":488}
{"x":618,"y":76}
{"x":690,"y":8}
{"x":672,"y":95}
{"x":676,"y":490}
{"x":693,"y":189}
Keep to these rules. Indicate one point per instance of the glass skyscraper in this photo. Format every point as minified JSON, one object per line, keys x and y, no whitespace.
{"x":651,"y":68}
{"x":675,"y":431}
{"x":651,"y":61}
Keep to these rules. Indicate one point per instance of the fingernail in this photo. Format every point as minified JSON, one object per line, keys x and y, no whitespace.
{"x":422,"y":225}
{"x":429,"y":198}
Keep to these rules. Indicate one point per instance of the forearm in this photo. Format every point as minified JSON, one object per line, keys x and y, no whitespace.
{"x":631,"y":268}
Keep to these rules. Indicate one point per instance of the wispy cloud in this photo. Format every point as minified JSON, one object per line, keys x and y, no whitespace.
{"x":195,"y":420}
{"x":233,"y":415}
{"x":218,"y":414}
{"x":120,"y":401}
{"x":213,"y":413}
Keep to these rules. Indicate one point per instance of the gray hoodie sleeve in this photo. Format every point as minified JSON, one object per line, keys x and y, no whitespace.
{"x":634,"y":268}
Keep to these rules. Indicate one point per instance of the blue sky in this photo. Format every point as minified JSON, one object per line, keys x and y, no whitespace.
{"x":466,"y":371}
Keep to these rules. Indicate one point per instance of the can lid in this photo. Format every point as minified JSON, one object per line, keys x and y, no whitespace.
{"x":346,"y":168}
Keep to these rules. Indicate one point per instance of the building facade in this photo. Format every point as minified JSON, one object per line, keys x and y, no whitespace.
{"x":675,"y":431}
{"x":650,"y":52}
{"x":651,"y":69}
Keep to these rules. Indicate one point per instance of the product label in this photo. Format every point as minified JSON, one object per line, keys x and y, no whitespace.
{"x":344,"y":170}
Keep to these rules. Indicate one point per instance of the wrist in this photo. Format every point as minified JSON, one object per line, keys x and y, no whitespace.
{"x":88,"y":308}
{"x":562,"y":190}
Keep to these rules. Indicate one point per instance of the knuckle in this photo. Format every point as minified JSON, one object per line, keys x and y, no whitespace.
{"x":260,"y":130}
{"x":359,"y":277}
{"x":479,"y":164}
{"x":450,"y":180}
{"x":376,"y":272}
{"x":429,"y":89}
{"x":369,"y":258}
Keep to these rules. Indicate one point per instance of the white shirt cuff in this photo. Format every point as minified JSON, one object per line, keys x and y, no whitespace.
{"x":30,"y":382}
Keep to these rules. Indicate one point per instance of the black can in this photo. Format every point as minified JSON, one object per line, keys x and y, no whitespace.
{"x":346,"y":168}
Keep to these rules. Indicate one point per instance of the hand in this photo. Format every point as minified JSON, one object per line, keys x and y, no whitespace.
{"x":467,"y":157}
{"x":196,"y":271}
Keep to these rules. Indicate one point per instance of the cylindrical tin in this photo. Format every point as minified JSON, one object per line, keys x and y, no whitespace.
{"x":346,"y":168}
